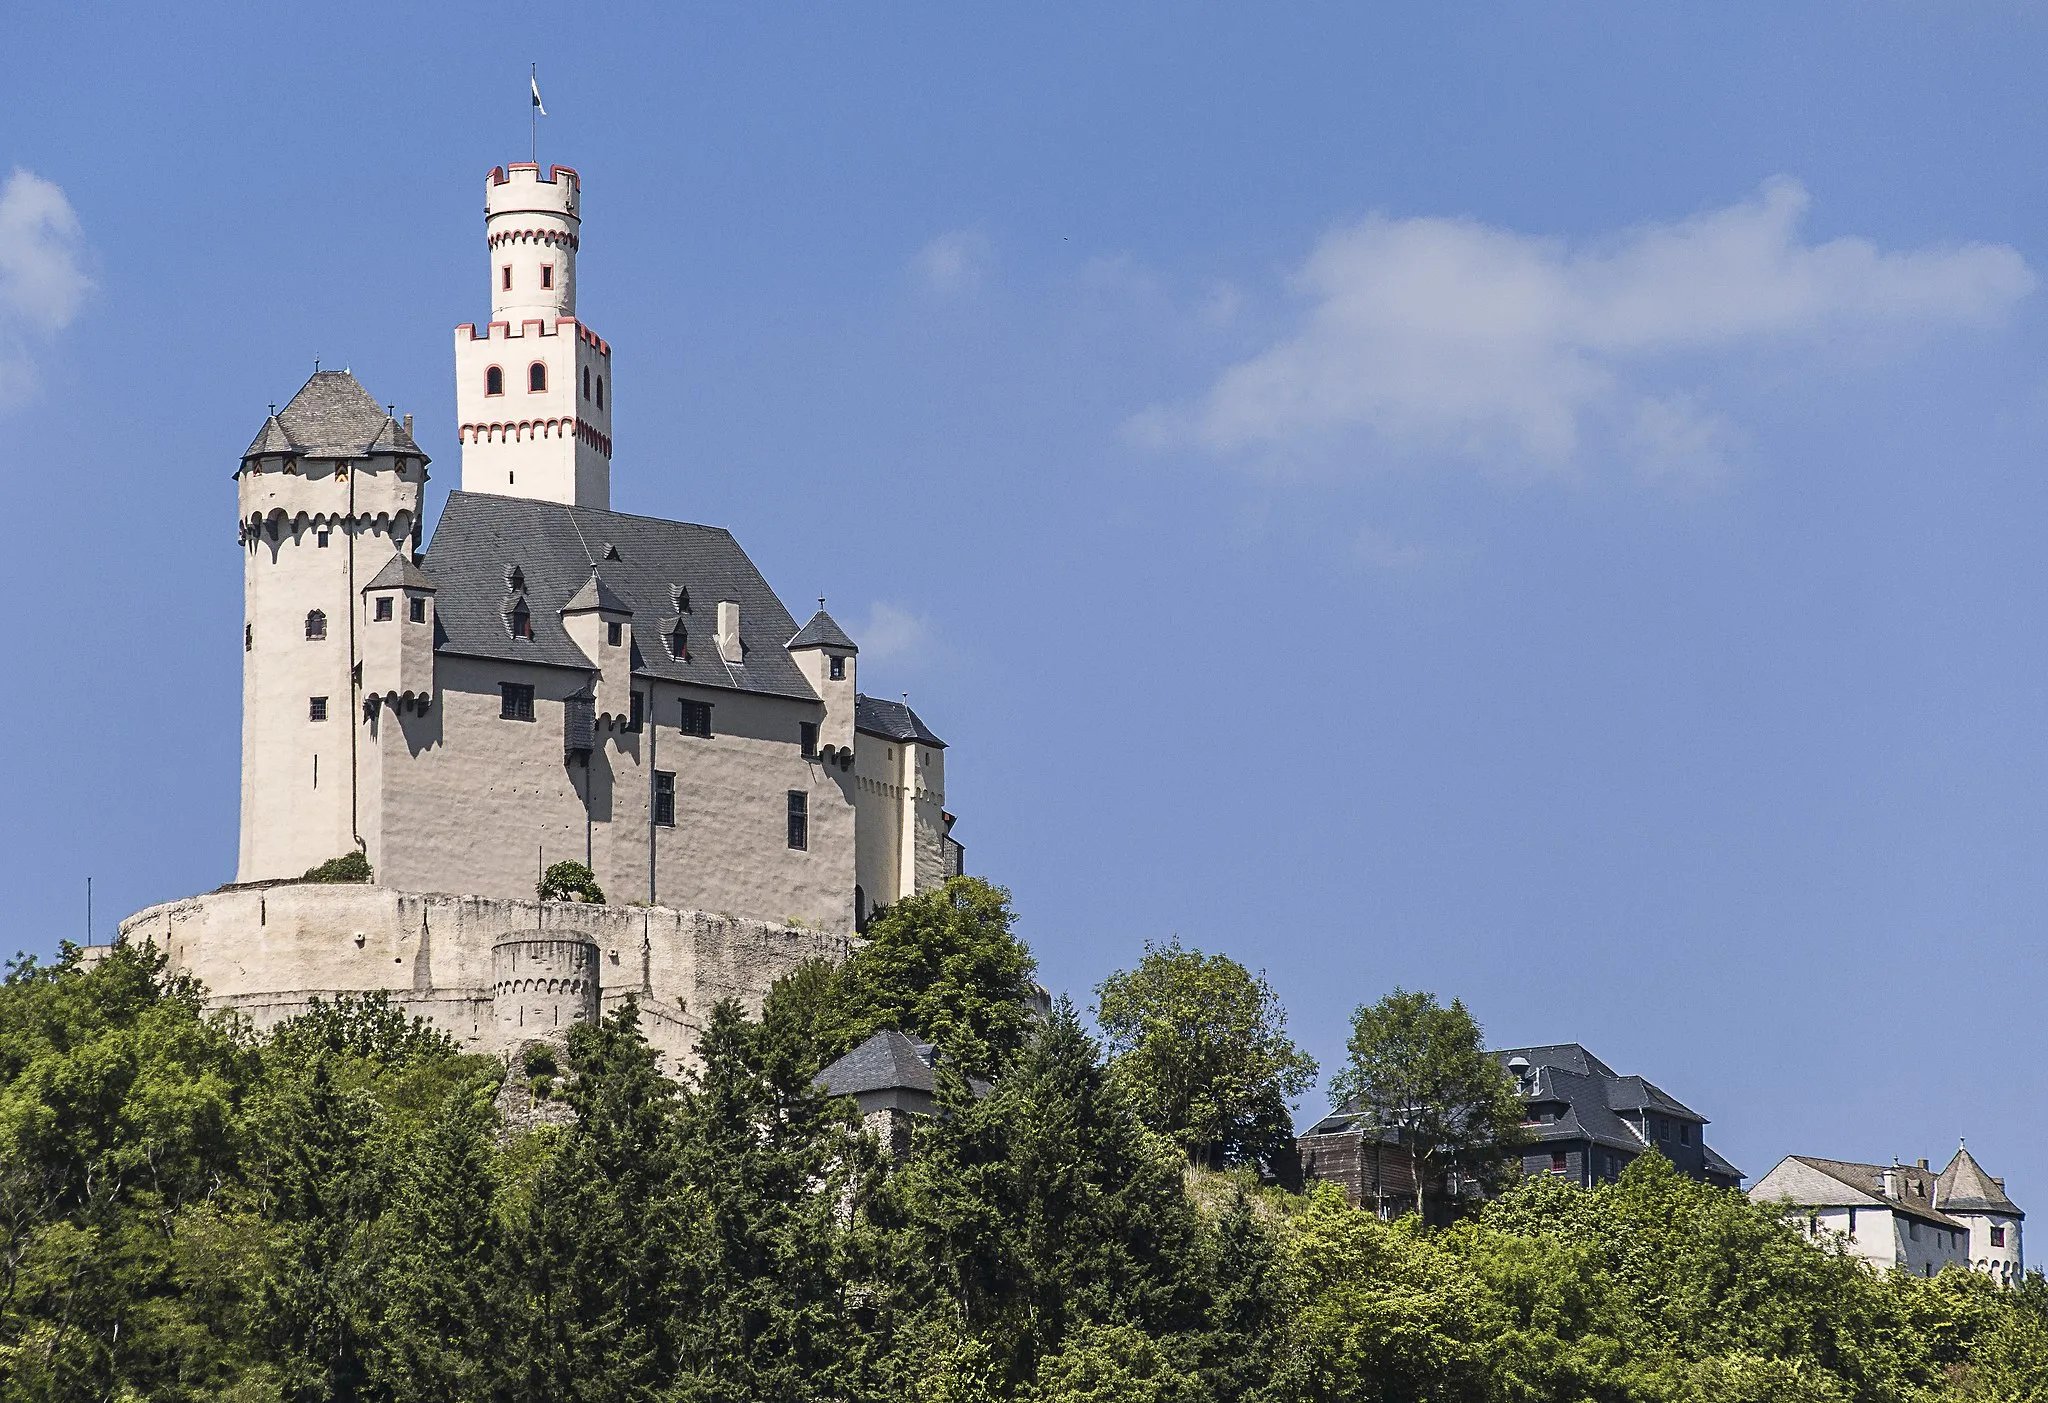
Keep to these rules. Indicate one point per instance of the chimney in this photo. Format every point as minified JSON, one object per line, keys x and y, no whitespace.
{"x":1891,"y":1182}
{"x":1920,"y":1163}
{"x":408,"y":426}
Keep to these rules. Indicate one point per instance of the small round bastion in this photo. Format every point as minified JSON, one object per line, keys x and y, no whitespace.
{"x":542,"y":982}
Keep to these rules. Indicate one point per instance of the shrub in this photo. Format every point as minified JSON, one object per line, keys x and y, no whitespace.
{"x":569,"y":881}
{"x":349,"y":867}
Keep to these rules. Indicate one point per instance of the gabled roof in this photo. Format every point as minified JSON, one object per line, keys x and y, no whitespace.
{"x":1843,"y":1182}
{"x":888,"y":1061}
{"x":479,"y":537}
{"x":400,"y":573}
{"x":822,"y":632}
{"x":596,"y":594}
{"x":332,"y":416}
{"x":1964,"y":1187}
{"x":891,"y":721}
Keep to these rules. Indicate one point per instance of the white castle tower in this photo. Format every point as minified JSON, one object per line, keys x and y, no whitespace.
{"x":329,"y":496}
{"x":533,"y":390}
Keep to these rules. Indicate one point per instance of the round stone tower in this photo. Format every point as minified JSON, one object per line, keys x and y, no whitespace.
{"x":532,"y":227}
{"x":541,"y":983}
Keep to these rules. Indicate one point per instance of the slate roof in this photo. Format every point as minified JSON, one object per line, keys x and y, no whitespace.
{"x":888,"y":1061}
{"x":1964,"y":1187}
{"x":332,"y":416}
{"x":480,"y":538}
{"x":822,"y":632}
{"x":1866,"y":1181}
{"x":596,"y":594}
{"x":399,"y":572}
{"x":891,"y":721}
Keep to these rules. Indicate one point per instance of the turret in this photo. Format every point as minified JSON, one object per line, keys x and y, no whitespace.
{"x":533,"y":387}
{"x":329,"y":492}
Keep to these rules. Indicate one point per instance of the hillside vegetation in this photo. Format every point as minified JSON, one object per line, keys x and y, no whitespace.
{"x":334,"y":1211}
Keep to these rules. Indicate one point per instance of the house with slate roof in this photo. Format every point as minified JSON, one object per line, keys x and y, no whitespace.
{"x":1902,"y":1216}
{"x":1585,"y":1121}
{"x":546,"y":678}
{"x":893,"y":1079}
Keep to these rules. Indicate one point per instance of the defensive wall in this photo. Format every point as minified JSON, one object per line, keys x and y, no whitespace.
{"x":268,"y":949}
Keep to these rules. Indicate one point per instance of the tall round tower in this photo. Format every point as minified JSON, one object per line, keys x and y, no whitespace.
{"x":533,"y":389}
{"x":329,"y":493}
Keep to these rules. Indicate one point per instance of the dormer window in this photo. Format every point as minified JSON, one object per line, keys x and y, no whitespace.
{"x":316,"y":624}
{"x":682,"y":599}
{"x":537,"y":377}
{"x":519,"y":620}
{"x":515,"y":579}
{"x":679,"y":643}
{"x":494,"y":381}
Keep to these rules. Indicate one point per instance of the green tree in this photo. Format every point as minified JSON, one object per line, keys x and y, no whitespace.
{"x":1199,"y":1043}
{"x":1420,"y":1070}
{"x":569,"y":881}
{"x":944,"y":965}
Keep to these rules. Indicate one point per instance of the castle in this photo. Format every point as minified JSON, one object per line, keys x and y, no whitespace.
{"x":547,"y":680}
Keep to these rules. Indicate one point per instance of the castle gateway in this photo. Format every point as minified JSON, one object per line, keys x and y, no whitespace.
{"x":547,"y":680}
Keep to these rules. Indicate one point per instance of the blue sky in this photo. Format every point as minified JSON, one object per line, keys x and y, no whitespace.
{"x":1540,"y":504}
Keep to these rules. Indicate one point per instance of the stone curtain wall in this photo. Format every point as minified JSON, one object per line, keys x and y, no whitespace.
{"x":267,"y":951}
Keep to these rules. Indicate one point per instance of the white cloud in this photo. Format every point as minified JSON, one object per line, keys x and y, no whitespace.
{"x":955,"y":262}
{"x":1450,"y":336}
{"x":893,"y":633}
{"x":42,"y":277}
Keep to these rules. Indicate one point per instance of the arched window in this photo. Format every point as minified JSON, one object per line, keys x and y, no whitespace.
{"x":600,"y":392}
{"x":586,"y":382}
{"x":316,"y":624}
{"x":537,"y":376}
{"x":494,"y":381}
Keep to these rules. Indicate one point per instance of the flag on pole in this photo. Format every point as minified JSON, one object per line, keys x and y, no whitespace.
{"x":533,"y":79}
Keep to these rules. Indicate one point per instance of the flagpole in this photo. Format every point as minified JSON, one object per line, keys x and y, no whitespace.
{"x":533,"y":116}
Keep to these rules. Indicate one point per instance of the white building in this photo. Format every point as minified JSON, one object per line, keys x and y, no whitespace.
{"x":550,"y":679}
{"x":1901,"y":1216}
{"x":547,"y":680}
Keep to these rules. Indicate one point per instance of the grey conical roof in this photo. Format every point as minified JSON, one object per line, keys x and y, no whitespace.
{"x":1966,"y":1188}
{"x":332,"y":416}
{"x":400,"y":573}
{"x":596,"y":594}
{"x":822,"y":632}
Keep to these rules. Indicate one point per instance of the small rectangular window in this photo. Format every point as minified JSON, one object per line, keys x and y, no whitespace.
{"x":1559,"y":1161}
{"x":637,"y":717}
{"x":515,"y":701}
{"x":799,"y":819}
{"x":419,"y":610}
{"x":807,"y":737}
{"x":320,"y":539}
{"x":695,"y":718}
{"x":316,"y":710}
{"x":615,"y":634}
{"x":384,"y":609}
{"x":547,"y":275}
{"x":1998,"y":1237}
{"x":838,"y":668}
{"x":665,"y":798}
{"x":248,"y":637}
{"x":505,"y":277}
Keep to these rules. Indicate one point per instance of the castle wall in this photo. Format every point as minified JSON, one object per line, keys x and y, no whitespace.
{"x":472,"y":802}
{"x":268,"y":951}
{"x":901,"y":793}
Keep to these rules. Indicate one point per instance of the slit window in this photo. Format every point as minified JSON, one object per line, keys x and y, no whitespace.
{"x":384,"y":609}
{"x":807,"y":737}
{"x":586,"y":382}
{"x":316,"y":709}
{"x":547,"y":275}
{"x":665,"y":798}
{"x":600,"y":392}
{"x":694,"y":717}
{"x":505,"y":277}
{"x":637,"y":715}
{"x":316,"y":624}
{"x":537,"y":376}
{"x":248,"y":638}
{"x":515,"y":701}
{"x":494,"y":381}
{"x":799,"y":819}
